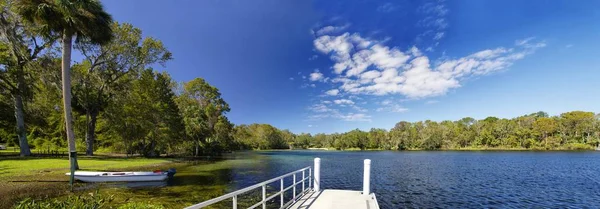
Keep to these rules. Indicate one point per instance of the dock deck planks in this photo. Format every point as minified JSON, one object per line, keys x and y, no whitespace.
{"x":331,"y":198}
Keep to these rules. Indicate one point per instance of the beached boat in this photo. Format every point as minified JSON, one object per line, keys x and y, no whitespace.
{"x":94,"y":176}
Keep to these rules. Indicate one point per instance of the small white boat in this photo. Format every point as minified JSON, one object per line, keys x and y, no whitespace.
{"x":93,"y":176}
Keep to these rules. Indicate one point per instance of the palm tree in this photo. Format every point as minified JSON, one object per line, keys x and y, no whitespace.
{"x":82,"y":19}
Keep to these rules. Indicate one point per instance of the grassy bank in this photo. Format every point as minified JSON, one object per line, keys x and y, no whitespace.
{"x":42,"y":178}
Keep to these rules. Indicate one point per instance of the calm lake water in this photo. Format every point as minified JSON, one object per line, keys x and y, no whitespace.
{"x":424,"y":179}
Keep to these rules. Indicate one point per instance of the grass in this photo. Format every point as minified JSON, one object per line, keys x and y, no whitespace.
{"x":42,"y":178}
{"x":20,"y":166}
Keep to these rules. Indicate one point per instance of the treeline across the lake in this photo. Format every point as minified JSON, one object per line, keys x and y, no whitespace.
{"x":569,"y":131}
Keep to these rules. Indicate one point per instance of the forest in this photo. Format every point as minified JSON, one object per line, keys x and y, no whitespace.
{"x":119,"y":99}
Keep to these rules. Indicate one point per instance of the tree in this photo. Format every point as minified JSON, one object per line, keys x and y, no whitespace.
{"x":19,"y":49}
{"x":102,"y":75}
{"x":376,"y":138}
{"x":83,"y":19}
{"x":545,"y":126}
{"x":201,"y":106}
{"x":148,"y":119}
{"x":577,"y":124}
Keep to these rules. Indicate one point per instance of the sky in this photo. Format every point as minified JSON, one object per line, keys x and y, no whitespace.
{"x":333,"y":66}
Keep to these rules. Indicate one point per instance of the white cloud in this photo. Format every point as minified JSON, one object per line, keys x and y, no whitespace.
{"x":291,"y":78}
{"x":310,"y":126}
{"x":332,"y":92}
{"x":522,"y":42}
{"x":438,"y":36}
{"x":433,"y":22}
{"x":323,"y":112}
{"x":395,"y":108}
{"x":355,"y":117}
{"x":343,"y":101}
{"x":316,"y":76}
{"x":313,"y":57}
{"x":331,"y":29}
{"x":364,"y":66}
{"x":320,"y":108}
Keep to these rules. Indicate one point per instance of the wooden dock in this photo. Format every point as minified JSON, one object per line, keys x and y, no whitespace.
{"x":310,"y":196}
{"x":332,"y":198}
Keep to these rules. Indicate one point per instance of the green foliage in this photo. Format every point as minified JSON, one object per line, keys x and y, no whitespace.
{"x":265,"y":136}
{"x":146,"y":118}
{"x":84,"y":19}
{"x":84,"y":201}
{"x":139,"y":205}
{"x":203,"y":112}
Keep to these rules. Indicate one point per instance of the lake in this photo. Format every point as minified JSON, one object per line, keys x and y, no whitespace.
{"x":415,"y":179}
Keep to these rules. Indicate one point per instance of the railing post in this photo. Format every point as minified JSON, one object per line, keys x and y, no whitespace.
{"x":317,"y":185}
{"x":294,"y":187}
{"x":235,"y":202}
{"x":281,"y":190}
{"x":310,"y":177}
{"x":303,"y":181}
{"x":367,"y":177}
{"x":264,"y":194}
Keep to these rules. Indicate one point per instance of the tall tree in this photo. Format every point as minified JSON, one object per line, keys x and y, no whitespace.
{"x":201,"y":106}
{"x":147,"y":118}
{"x":83,"y":19}
{"x":102,"y":75}
{"x":544,"y":126}
{"x":19,"y":49}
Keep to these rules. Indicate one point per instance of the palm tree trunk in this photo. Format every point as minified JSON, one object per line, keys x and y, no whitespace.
{"x":20,"y":116}
{"x":66,"y":89}
{"x":90,"y":136}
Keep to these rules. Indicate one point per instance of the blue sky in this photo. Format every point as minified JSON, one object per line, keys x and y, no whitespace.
{"x":333,"y":66}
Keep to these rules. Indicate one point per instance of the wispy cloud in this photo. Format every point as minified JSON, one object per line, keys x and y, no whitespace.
{"x":434,"y":22}
{"x":390,"y":106}
{"x":431,"y":102}
{"x":387,"y":7}
{"x":327,"y":30}
{"x":569,"y":46}
{"x":343,"y":101}
{"x":311,"y":58}
{"x":323,"y":111}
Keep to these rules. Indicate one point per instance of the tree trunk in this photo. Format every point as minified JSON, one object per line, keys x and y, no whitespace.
{"x":90,"y":135}
{"x":22,"y":133}
{"x":197,"y":149}
{"x":66,"y":90}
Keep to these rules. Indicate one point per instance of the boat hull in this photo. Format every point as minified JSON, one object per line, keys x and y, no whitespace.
{"x":87,"y":176}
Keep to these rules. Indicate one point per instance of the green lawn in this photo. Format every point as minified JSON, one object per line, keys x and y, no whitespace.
{"x":40,"y":178}
{"x":30,"y":166}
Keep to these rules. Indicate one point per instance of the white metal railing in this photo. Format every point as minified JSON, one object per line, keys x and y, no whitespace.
{"x":234,"y":195}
